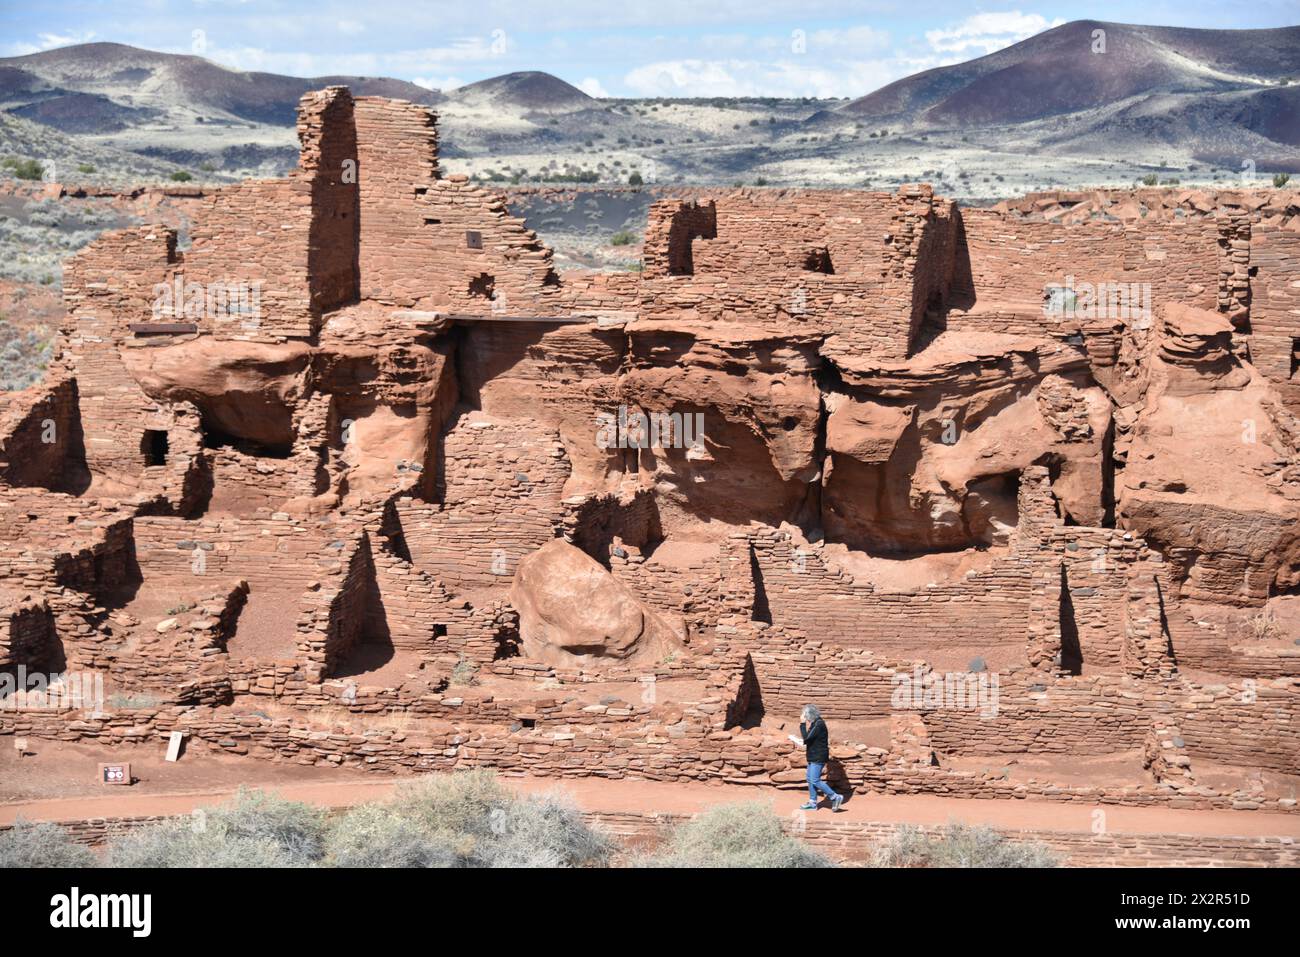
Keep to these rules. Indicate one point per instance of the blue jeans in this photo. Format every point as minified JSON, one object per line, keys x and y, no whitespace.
{"x":815,"y":782}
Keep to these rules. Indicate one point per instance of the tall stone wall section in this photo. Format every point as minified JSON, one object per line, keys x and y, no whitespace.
{"x":1274,"y":335}
{"x":41,"y":441}
{"x":846,"y":264}
{"x":439,"y":243}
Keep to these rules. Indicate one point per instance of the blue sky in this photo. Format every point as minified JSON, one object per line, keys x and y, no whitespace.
{"x":608,"y":47}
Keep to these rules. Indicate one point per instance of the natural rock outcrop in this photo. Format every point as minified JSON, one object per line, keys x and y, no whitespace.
{"x":572,"y":610}
{"x":1212,"y":469}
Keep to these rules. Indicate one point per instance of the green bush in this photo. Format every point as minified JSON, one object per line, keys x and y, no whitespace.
{"x":734,"y":835}
{"x":255,"y":830}
{"x":634,"y":179}
{"x":1281,"y":179}
{"x":180,"y":176}
{"x":28,"y":169}
{"x":622,"y":238}
{"x":42,"y":845}
{"x":961,"y":845}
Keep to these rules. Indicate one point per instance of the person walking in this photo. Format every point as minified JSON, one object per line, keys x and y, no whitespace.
{"x":816,"y":742}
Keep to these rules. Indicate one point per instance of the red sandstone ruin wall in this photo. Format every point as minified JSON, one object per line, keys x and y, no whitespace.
{"x":1011,"y":262}
{"x":41,"y":437}
{"x":108,"y":286}
{"x":426,"y":242}
{"x":328,"y":133}
{"x":295,"y":239}
{"x":765,"y":260}
{"x":27,"y":635}
{"x":1275,"y":307}
{"x":397,"y":160}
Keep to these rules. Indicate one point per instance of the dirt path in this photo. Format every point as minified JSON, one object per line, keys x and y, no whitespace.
{"x":649,"y":797}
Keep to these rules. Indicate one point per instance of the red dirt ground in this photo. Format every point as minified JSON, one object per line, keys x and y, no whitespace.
{"x":58,"y":784}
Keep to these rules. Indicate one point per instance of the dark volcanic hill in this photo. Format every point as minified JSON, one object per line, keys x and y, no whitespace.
{"x":530,"y":91}
{"x":1057,"y":72}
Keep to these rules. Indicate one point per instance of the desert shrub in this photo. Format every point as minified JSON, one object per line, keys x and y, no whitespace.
{"x":180,"y":176}
{"x":960,"y":845}
{"x":42,"y":845}
{"x":622,"y":238}
{"x":28,"y":169}
{"x":479,"y":822}
{"x":256,"y":829}
{"x":464,"y":673}
{"x":23,"y":356}
{"x":734,"y":835}
{"x":1281,"y":179}
{"x":545,"y":830}
{"x":371,"y":835}
{"x":1150,"y":179}
{"x":1263,"y":626}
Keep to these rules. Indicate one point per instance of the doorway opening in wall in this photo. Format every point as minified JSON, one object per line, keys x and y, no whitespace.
{"x":1295,"y":357}
{"x":153,"y":446}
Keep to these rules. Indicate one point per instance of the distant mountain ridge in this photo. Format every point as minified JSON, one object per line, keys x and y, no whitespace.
{"x":53,"y":86}
{"x":1054,"y":109}
{"x":1060,"y":71}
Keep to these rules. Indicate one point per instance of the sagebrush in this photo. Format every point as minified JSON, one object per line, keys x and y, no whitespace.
{"x":960,"y":845}
{"x":734,"y":835}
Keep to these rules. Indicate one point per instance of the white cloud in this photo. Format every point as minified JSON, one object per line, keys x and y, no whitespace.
{"x":470,"y":54}
{"x":817,"y":63}
{"x":351,"y":27}
{"x":591,"y":86}
{"x":441,"y":85}
{"x":792,"y":76}
{"x":47,"y":41}
{"x":986,"y":33}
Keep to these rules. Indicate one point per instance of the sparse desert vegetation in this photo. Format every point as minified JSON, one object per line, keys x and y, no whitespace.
{"x":960,"y":845}
{"x":43,"y":844}
{"x":1263,"y":626}
{"x":734,"y":835}
{"x":460,"y":819}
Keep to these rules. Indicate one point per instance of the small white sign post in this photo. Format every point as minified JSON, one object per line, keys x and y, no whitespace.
{"x":174,"y":745}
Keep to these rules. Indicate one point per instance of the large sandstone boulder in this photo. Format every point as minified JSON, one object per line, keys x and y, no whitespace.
{"x":573,"y":611}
